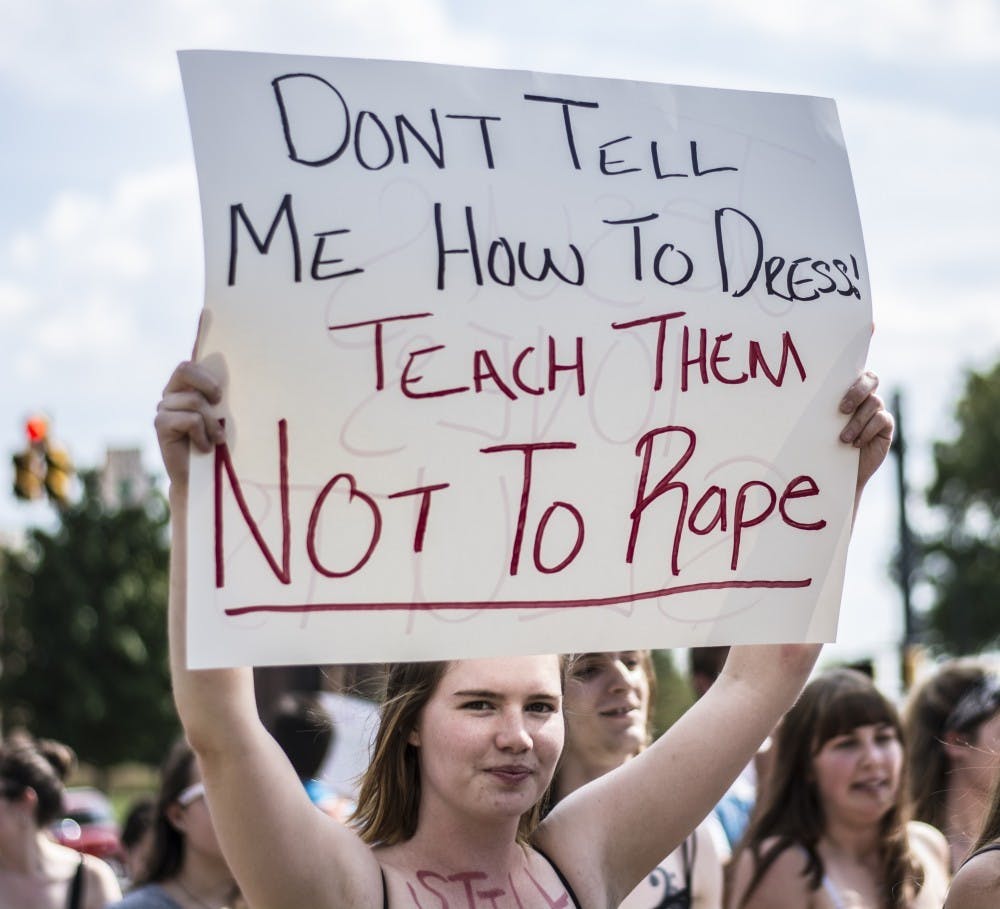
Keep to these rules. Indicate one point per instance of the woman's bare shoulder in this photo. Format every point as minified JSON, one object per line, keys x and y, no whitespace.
{"x":929,"y":842}
{"x":101,"y":885}
{"x":977,"y":883}
{"x":783,"y":886}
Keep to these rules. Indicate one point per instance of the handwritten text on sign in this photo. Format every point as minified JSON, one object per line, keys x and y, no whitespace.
{"x":517,"y":362}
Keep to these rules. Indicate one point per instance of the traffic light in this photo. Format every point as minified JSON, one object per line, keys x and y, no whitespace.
{"x":29,"y":474}
{"x":43,"y":466}
{"x":58,"y":473}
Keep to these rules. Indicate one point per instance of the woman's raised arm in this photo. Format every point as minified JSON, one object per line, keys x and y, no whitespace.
{"x":624,"y":822}
{"x":281,"y":849}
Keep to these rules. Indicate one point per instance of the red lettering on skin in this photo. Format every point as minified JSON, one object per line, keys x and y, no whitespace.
{"x":354,"y":493}
{"x":541,"y":531}
{"x":223,"y":461}
{"x":513,"y":892}
{"x":739,"y":523}
{"x":422,"y":878}
{"x":466,"y":878}
{"x":792,"y":492}
{"x":661,"y":339}
{"x":642,"y":501}
{"x":425,"y":507}
{"x":561,"y":903}
{"x":491,"y":895}
{"x":378,"y":323}
{"x":405,"y":381}
{"x":528,"y":450}
{"x":531,"y":390}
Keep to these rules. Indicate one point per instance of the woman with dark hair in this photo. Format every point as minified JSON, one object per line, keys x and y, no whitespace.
{"x":606,"y":706}
{"x":952,"y":722}
{"x":184,"y":868}
{"x":830,"y":830}
{"x":35,"y":871}
{"x":465,"y":752}
{"x":977,"y":881}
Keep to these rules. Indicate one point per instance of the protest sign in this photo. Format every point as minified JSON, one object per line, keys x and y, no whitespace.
{"x":517,"y":362}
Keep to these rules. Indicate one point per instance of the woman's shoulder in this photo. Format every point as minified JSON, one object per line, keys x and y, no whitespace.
{"x":785,"y":882}
{"x":977,"y":883}
{"x":929,"y":842}
{"x":101,"y":885}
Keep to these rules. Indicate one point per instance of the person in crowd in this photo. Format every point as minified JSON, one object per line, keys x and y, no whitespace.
{"x":305,"y":732}
{"x":185,"y":868}
{"x":35,"y":871}
{"x":830,"y":830}
{"x":137,"y":835}
{"x":977,"y":882}
{"x":465,"y":752}
{"x":952,"y":722}
{"x":606,"y":705}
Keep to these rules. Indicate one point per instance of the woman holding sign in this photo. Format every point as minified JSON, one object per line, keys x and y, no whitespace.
{"x":466,"y":750}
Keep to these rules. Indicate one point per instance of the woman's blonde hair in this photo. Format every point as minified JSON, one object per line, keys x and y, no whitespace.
{"x":389,"y":798}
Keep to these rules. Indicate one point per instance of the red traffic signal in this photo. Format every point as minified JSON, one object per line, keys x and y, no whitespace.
{"x":36,"y":428}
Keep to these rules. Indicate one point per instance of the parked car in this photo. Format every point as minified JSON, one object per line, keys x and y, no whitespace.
{"x":88,"y":825}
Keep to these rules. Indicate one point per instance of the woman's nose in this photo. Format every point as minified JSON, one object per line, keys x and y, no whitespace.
{"x":512,"y":734}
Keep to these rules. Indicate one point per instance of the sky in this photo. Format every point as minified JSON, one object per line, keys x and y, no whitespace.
{"x":100,"y":245}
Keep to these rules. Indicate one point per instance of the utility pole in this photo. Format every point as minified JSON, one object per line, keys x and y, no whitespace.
{"x":908,"y":646}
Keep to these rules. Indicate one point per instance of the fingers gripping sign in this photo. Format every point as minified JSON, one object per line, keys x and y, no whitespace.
{"x":186,"y":415}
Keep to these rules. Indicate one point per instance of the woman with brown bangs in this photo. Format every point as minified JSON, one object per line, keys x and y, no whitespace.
{"x":831,"y":832}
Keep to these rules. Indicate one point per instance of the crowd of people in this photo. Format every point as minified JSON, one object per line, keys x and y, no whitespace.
{"x":534,"y":781}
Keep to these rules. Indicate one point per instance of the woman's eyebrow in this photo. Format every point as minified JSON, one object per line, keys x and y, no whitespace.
{"x":496,"y":695}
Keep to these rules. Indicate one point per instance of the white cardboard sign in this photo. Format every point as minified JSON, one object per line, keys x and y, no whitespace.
{"x":517,"y":362}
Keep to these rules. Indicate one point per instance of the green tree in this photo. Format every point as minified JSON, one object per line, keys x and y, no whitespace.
{"x":962,"y":561}
{"x":83,"y":648}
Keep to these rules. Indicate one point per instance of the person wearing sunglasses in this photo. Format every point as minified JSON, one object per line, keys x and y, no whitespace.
{"x":185,"y":868}
{"x":952,"y":726}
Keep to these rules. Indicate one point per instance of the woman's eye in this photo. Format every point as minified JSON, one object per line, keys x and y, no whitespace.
{"x":541,"y":707}
{"x":476,"y":705}
{"x":586,"y":672}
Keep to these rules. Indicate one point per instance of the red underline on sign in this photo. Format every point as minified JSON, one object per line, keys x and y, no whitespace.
{"x":521,"y":604}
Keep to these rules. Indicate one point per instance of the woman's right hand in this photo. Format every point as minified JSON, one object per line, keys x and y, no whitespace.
{"x":185,"y":416}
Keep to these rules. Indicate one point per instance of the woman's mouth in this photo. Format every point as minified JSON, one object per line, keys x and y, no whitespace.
{"x":511,"y":774}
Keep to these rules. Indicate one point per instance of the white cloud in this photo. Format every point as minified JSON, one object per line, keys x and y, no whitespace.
{"x":118,"y":50}
{"x":962,"y":31}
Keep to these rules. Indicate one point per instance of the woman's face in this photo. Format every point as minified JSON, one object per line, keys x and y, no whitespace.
{"x":490,"y":735}
{"x":857,"y":773}
{"x":607,"y":706}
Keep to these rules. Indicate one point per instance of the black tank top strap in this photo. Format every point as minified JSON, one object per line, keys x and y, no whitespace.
{"x":991,"y":847}
{"x":75,"y":898}
{"x":385,"y":891}
{"x":560,"y":875}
